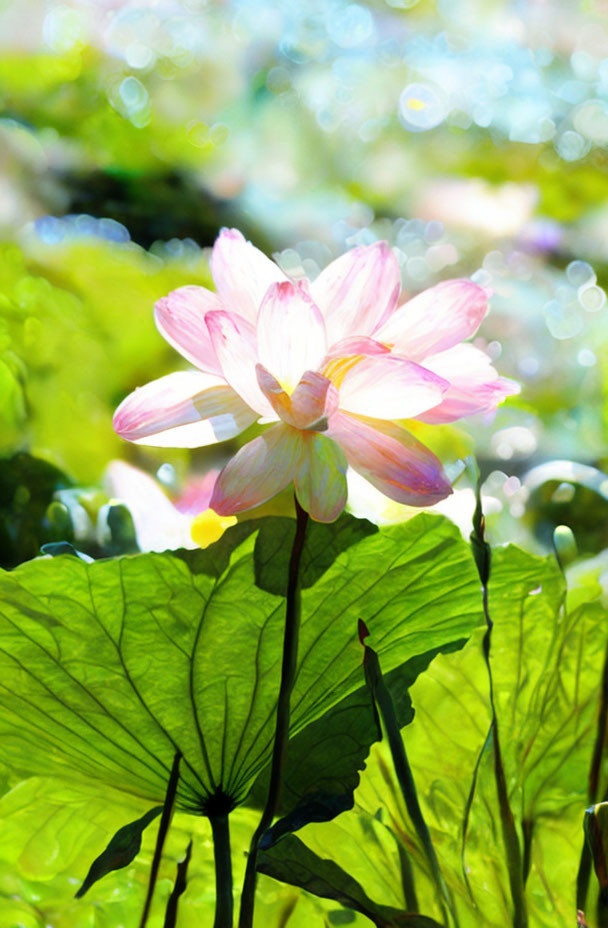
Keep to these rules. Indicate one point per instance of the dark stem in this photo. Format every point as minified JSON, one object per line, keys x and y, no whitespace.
{"x":403,"y":771}
{"x":178,"y":889}
{"x":281,"y":737}
{"x":223,"y":871}
{"x":584,"y":869}
{"x":407,"y":879}
{"x":163,"y":828}
{"x":602,"y":908}
{"x":509,"y":832}
{"x":527,"y":828}
{"x":600,"y":738}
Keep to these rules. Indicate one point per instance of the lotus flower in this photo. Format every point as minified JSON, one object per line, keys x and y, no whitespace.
{"x":330,"y":367}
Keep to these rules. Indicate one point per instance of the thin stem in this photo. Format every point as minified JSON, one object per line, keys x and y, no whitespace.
{"x":403,"y":771}
{"x":509,"y":832}
{"x":584,"y":870}
{"x":407,"y":879}
{"x":178,"y":889}
{"x":515,"y":865}
{"x":410,"y":796}
{"x":527,"y":828}
{"x":220,"y":829}
{"x":163,"y":828}
{"x":281,"y":737}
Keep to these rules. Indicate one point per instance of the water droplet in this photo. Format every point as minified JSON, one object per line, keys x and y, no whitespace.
{"x":591,"y":120}
{"x":133,"y":94}
{"x":166,"y":474}
{"x":433,"y":231}
{"x":219,"y":133}
{"x":417,"y":269}
{"x":571,"y":145}
{"x":63,"y":28}
{"x":529,"y":367}
{"x":350,"y":26}
{"x":563,"y":321}
{"x":586,"y":358}
{"x":592,"y":298}
{"x":564,"y":493}
{"x":583,"y":64}
{"x":278,"y":80}
{"x":138,"y":55}
{"x":579,"y":273}
{"x":421,"y":107}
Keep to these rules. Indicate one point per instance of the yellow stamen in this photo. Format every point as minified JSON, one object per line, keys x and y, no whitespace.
{"x":337,"y":370}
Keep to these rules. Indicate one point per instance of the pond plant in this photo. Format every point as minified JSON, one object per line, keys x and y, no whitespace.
{"x":402,"y":727}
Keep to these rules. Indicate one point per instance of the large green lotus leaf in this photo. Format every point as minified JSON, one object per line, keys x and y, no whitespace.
{"x":547,"y":666}
{"x":52,"y":829}
{"x":109,"y":668}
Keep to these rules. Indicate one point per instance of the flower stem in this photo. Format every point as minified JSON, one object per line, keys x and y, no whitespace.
{"x":403,"y":771}
{"x":515,"y":864}
{"x":281,"y":737}
{"x":163,"y":828}
{"x":223,"y":871}
{"x":584,"y":870}
{"x":178,"y":889}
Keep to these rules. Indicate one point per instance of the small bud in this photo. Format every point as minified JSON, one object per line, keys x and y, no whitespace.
{"x":565,"y":546}
{"x":595,"y":824}
{"x":363,"y":631}
{"x":58,"y":522}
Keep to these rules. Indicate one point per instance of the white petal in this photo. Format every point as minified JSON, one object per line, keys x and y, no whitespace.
{"x":358,"y":291}
{"x":180,"y":318}
{"x":242,"y":274}
{"x":385,"y":386}
{"x":320,"y":480}
{"x":475,"y":386}
{"x":391,"y":459}
{"x":290,"y":332}
{"x":260,"y":470}
{"x":182,"y":410}
{"x":436,"y":319}
{"x":234,"y":342}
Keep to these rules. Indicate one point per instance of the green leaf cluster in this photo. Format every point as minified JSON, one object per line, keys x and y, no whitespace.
{"x":547,"y":657}
{"x":108,"y":668}
{"x":76,"y":335}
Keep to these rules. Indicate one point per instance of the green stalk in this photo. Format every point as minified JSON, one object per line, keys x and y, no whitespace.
{"x":407,"y":879}
{"x":482,"y":555}
{"x":382,"y":699}
{"x":220,"y":829}
{"x":178,"y":889}
{"x":163,"y":828}
{"x":584,"y":869}
{"x":281,"y":737}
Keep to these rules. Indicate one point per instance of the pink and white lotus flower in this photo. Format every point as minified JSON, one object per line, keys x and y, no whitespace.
{"x":331,"y":367}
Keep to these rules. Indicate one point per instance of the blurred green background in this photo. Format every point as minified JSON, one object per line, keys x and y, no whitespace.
{"x":472,"y":135}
